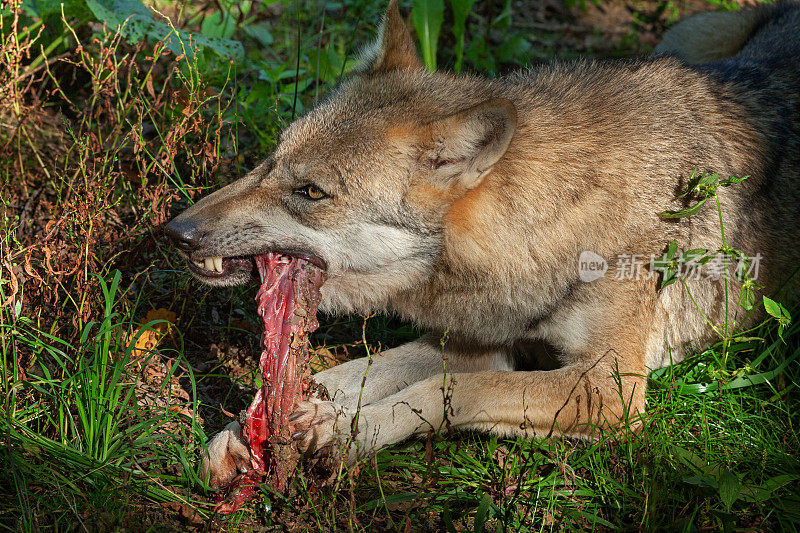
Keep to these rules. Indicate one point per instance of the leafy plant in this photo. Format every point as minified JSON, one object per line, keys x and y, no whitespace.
{"x":730,"y":488}
{"x":84,"y":421}
{"x":779,"y":313}
{"x":428,"y":16}
{"x":461,"y":9}
{"x":703,"y":187}
{"x":137,"y":22}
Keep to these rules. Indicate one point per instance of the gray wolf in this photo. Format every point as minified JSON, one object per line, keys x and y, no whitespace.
{"x":463,"y":204}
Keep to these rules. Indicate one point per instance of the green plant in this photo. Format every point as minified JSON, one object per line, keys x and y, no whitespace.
{"x":427,"y":16}
{"x":461,"y":9}
{"x":703,"y":187}
{"x":76,"y":414}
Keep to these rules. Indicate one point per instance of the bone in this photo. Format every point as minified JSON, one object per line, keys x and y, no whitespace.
{"x":287,"y":303}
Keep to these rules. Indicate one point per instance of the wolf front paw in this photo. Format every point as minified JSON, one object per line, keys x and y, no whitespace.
{"x":227,"y":457}
{"x":321,"y":425}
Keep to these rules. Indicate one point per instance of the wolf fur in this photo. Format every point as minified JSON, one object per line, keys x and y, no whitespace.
{"x":462,"y":204}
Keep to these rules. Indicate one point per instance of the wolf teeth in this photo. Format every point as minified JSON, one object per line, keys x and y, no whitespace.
{"x":213,"y":264}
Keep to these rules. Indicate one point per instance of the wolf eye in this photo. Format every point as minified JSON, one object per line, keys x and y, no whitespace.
{"x":312,"y":192}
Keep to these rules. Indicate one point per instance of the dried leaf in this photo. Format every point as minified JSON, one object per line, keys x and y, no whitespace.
{"x":148,"y":340}
{"x":14,"y":285}
{"x":149,"y":86}
{"x":321,"y":358}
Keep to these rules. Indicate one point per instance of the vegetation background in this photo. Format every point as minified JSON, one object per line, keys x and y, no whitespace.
{"x":116,"y":365}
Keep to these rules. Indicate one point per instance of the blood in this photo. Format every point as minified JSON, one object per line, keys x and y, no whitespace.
{"x":287,"y":303}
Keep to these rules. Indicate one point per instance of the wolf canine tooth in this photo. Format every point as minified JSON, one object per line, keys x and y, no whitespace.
{"x":214,"y":264}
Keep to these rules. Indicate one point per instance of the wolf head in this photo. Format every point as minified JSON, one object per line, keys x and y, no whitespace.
{"x":361,"y":185}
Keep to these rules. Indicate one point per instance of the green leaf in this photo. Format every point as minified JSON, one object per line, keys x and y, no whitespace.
{"x":778,"y":482}
{"x":759,"y":494}
{"x":683,"y":213}
{"x":691,"y":255}
{"x":327,"y":64}
{"x":260,"y":32}
{"x":218,"y":25}
{"x":742,"y":267}
{"x":693,"y":179}
{"x":729,"y":488}
{"x":482,"y":514}
{"x":745,"y":340}
{"x":754,"y":494}
{"x":747,"y":381}
{"x":706,"y":180}
{"x":669,"y":278}
{"x":772,"y":307}
{"x":136,"y":22}
{"x":780,"y":313}
{"x":702,"y":481}
{"x":302,"y":85}
{"x":732,"y":180}
{"x":43,"y":8}
{"x":671,"y":249}
{"x":748,"y":298}
{"x":427,"y":16}
{"x":702,"y":185}
{"x":666,"y":265}
{"x":461,"y":9}
{"x":690,"y":459}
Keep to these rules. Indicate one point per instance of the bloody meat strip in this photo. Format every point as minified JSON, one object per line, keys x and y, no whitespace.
{"x":287,"y":303}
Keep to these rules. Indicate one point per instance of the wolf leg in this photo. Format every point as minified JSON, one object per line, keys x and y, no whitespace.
{"x":386,"y":373}
{"x":359,"y":383}
{"x":600,"y":387}
{"x":575,"y":401}
{"x":227,"y":456}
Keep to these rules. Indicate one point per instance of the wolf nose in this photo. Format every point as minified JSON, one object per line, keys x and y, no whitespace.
{"x":185,"y":235}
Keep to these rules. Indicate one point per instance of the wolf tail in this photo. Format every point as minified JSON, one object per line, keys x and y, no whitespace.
{"x":711,"y":36}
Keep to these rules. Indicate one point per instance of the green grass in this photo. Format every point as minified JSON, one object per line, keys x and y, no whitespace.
{"x":103,"y":137}
{"x":73,"y":431}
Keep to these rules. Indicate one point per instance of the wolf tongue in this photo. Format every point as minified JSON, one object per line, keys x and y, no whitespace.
{"x":287,"y":303}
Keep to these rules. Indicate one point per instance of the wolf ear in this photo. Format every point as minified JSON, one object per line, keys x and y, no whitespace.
{"x":394,"y":48}
{"x":464,"y":147}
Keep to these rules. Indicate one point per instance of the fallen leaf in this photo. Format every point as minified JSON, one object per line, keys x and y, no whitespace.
{"x":321,"y":358}
{"x":149,"y":339}
{"x":14,"y":285}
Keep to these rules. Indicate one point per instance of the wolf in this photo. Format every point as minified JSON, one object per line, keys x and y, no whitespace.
{"x":465,"y":205}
